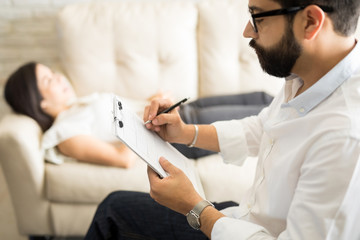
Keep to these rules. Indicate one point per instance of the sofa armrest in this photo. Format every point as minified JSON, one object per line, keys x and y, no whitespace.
{"x":23,"y":166}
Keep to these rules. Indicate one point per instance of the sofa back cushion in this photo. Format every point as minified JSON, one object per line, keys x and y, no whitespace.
{"x":132,"y":48}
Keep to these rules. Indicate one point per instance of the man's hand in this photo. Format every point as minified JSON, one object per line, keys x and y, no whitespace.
{"x":175,"y":191}
{"x":169,"y":126}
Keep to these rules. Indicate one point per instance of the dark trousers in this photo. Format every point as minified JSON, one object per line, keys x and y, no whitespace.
{"x":219,"y":108}
{"x":135,"y":215}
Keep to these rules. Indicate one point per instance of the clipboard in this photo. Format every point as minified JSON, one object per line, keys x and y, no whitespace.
{"x":130,"y":129}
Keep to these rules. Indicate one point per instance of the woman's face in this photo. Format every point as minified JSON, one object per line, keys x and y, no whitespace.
{"x":55,"y":90}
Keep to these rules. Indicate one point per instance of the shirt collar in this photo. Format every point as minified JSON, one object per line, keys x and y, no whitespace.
{"x":323,"y":88}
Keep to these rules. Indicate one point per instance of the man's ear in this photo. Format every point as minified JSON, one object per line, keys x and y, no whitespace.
{"x":314,"y":18}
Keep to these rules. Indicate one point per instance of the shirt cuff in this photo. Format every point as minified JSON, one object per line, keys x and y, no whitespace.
{"x":230,"y":228}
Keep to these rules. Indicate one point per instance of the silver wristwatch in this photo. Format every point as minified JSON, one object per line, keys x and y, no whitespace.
{"x":193,"y":217}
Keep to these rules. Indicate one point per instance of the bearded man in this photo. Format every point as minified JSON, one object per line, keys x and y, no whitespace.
{"x":307,"y":141}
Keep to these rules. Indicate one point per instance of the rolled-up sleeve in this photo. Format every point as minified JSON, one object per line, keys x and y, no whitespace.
{"x":232,"y":142}
{"x":239,"y":139}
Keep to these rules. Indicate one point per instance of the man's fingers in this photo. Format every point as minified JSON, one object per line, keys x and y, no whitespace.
{"x":152,"y":175}
{"x":146,"y":113}
{"x":157,"y":106}
{"x":165,"y":118}
{"x":168,"y":166}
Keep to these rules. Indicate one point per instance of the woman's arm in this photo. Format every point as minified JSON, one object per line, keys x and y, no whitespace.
{"x":91,"y":150}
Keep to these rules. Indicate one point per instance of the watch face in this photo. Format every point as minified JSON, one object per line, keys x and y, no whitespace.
{"x":193,"y":220}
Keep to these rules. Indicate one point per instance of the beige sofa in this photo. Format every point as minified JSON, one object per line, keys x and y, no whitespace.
{"x":132,"y":48}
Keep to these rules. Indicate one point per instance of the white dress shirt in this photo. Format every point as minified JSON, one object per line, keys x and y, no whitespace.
{"x":308,"y":147}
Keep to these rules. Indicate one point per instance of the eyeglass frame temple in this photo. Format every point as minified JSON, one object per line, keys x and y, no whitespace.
{"x":283,"y":11}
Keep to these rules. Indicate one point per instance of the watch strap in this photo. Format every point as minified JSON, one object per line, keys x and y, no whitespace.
{"x":201,"y":206}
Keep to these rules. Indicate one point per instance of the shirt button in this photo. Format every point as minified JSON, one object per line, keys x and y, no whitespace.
{"x":249,"y":206}
{"x":258,"y":182}
{"x":302,"y":110}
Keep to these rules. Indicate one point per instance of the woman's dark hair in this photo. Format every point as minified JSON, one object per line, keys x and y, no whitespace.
{"x":22,"y":94}
{"x":344,"y":17}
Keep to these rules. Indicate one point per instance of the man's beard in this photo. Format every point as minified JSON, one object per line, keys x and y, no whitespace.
{"x":279,"y":60}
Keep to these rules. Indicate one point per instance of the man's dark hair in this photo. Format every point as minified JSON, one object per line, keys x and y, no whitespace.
{"x":344,"y":17}
{"x":22,"y":94}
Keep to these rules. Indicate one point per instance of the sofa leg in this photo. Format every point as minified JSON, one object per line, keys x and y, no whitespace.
{"x":40,"y":238}
{"x":54,"y":238}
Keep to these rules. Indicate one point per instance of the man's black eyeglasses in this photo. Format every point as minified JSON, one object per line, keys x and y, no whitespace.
{"x":282,"y":11}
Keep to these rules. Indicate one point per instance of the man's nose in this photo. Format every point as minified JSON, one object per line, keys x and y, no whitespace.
{"x":249,"y":31}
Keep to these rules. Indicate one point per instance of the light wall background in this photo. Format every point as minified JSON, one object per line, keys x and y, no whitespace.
{"x":27,"y":32}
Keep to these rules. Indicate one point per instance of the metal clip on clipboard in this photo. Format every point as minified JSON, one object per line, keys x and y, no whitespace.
{"x":116,"y":119}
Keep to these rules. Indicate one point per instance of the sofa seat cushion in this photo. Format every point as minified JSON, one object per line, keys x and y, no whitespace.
{"x":78,"y":224}
{"x":75,"y":182}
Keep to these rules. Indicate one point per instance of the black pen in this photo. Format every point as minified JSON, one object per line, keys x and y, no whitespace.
{"x":170,"y":108}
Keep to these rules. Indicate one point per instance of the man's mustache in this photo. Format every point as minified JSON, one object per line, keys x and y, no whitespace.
{"x":252,"y":43}
{"x":255,"y":46}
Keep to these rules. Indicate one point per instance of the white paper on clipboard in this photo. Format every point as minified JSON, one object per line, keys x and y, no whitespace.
{"x":130,"y":129}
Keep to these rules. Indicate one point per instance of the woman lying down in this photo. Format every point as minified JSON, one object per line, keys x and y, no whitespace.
{"x":80,"y":127}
